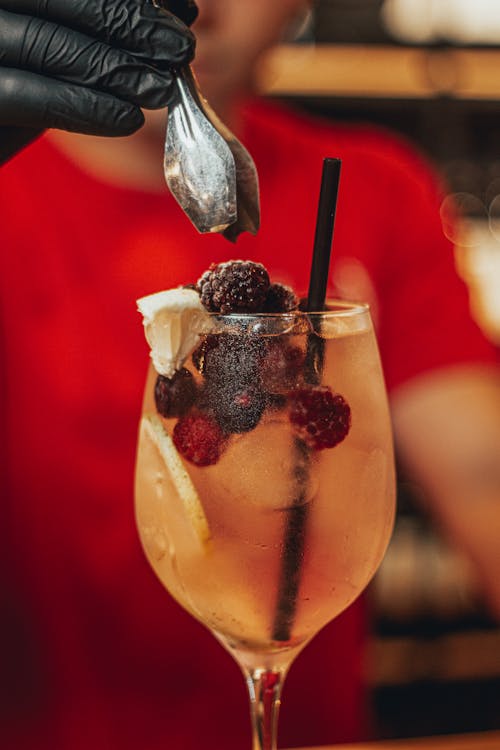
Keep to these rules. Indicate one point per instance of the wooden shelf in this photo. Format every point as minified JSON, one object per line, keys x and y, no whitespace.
{"x":459,"y":656}
{"x":353,"y":71}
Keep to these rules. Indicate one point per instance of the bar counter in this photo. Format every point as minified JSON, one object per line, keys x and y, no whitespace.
{"x":480,"y":741}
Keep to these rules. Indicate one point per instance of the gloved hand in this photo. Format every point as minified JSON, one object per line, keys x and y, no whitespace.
{"x":87,"y":65}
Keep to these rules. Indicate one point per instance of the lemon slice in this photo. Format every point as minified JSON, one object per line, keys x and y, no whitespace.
{"x":152,"y":429}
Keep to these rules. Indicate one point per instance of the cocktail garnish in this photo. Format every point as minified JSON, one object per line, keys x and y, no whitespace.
{"x":173,"y":322}
{"x":236,"y":286}
{"x":242,"y":373}
{"x":238,"y":406}
{"x":198,"y":437}
{"x":152,"y":427}
{"x":175,"y":396}
{"x":280,"y":298}
{"x":320,"y":417}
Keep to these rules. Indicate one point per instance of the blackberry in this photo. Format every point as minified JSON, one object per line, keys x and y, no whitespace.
{"x":198,"y":438}
{"x":320,"y":417}
{"x":280,"y":298}
{"x":237,"y":286}
{"x":174,"y":396}
{"x":237,"y":408}
{"x":227,"y":358}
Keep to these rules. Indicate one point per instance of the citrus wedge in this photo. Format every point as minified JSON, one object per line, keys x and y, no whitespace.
{"x":153,"y":430}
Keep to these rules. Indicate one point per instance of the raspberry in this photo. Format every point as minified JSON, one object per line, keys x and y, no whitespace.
{"x":236,"y":408}
{"x":175,"y":395}
{"x":198,"y":438}
{"x":280,"y":298}
{"x":321,"y":418}
{"x":281,"y":367}
{"x":237,"y":286}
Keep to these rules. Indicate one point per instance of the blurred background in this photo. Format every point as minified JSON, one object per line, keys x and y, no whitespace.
{"x":429,"y":69}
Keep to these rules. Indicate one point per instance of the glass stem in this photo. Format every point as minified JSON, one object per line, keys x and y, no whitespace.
{"x":264,"y":687}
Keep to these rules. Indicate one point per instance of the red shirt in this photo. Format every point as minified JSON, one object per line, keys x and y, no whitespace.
{"x":97,"y":655}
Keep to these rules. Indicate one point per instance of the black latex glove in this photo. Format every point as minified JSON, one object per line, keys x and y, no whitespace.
{"x":86,"y":65}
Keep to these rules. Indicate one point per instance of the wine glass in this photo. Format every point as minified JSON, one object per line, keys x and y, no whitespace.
{"x":265,"y":483}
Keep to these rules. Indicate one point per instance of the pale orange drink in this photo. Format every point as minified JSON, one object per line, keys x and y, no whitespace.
{"x":265,"y":496}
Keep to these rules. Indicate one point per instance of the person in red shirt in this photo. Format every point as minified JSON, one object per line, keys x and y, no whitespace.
{"x":96,"y":653}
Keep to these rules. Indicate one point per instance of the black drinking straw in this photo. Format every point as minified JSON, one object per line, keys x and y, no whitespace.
{"x":324,"y":234}
{"x":295,"y":531}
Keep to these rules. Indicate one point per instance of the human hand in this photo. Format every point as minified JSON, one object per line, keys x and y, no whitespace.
{"x":87,"y":66}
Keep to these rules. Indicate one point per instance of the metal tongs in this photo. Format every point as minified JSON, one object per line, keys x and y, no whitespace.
{"x":208,"y":171}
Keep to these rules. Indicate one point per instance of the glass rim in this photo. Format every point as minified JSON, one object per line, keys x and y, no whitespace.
{"x":334,"y":308}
